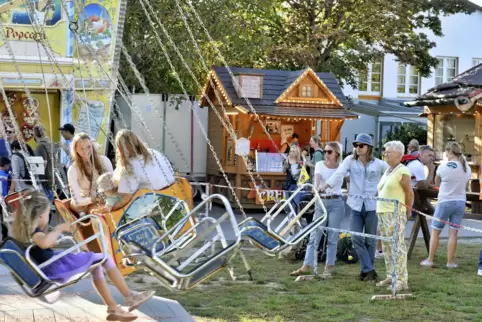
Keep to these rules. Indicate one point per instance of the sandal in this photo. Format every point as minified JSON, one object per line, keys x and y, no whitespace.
{"x":135,"y":300}
{"x":118,"y":314}
{"x":385,"y":282}
{"x":300,"y":272}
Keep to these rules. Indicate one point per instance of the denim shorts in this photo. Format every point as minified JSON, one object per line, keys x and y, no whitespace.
{"x":452,"y":211}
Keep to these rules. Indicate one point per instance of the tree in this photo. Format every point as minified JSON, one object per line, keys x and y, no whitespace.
{"x":407,"y":132}
{"x":342,"y":36}
{"x":338,"y":36}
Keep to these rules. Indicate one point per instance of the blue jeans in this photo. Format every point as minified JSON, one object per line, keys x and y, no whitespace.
{"x":335,"y":209}
{"x":480,"y":260}
{"x":452,"y":211}
{"x":364,"y":221}
{"x":296,"y":200}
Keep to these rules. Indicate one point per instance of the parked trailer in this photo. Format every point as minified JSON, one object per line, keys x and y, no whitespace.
{"x":181,"y":122}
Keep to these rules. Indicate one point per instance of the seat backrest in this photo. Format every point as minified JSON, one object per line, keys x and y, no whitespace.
{"x":258,"y":232}
{"x":142,"y":233}
{"x":12,"y":254}
{"x":12,"y":200}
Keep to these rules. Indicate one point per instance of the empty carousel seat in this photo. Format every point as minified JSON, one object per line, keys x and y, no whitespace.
{"x":258,"y":232}
{"x":142,"y":234}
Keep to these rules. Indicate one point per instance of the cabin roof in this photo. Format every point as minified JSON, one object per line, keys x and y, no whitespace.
{"x":275,"y":83}
{"x":465,"y":84}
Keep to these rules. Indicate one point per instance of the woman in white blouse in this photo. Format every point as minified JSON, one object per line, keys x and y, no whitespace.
{"x":139,"y":167}
{"x":335,"y":208}
{"x":83,"y":173}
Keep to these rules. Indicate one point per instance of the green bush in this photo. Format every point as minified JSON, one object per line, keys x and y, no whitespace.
{"x":407,"y":132}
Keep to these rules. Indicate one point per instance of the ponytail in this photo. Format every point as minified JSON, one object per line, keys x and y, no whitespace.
{"x":454,"y":147}
{"x":463,"y":162}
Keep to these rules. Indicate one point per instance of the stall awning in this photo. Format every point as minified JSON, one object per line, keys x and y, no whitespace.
{"x":301,"y":112}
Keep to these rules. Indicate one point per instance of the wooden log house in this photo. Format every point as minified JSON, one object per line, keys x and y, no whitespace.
{"x":287,"y":102}
{"x":454,"y":114}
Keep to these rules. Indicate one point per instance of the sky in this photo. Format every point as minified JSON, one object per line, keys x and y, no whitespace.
{"x":478,"y":2}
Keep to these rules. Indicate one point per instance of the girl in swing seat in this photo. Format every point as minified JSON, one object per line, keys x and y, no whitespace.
{"x":30,"y":222}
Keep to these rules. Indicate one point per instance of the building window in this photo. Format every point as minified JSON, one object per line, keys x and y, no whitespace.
{"x":476,"y":61}
{"x":408,"y":80}
{"x":371,"y":79}
{"x":306,"y":91}
{"x":446,"y":70}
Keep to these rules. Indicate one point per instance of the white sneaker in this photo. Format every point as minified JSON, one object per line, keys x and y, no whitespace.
{"x":379,"y":255}
{"x":479,"y":272}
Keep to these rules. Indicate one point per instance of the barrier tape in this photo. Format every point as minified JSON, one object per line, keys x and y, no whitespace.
{"x":409,"y":208}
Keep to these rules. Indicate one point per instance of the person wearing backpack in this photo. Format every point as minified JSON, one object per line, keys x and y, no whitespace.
{"x":317,"y":156}
{"x":21,"y":179}
{"x":44,"y":149}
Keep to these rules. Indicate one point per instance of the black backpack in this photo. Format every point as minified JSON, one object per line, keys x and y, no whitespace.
{"x":26,"y":178}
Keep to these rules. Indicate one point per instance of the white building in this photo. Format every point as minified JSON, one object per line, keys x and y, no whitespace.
{"x":387,"y":84}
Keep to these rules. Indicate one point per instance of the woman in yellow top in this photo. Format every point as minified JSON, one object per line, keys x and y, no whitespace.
{"x":395,"y":185}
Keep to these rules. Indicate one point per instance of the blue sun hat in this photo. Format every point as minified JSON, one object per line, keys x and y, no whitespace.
{"x":364,"y":139}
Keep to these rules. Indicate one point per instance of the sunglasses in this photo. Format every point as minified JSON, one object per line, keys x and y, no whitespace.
{"x":359,"y":145}
{"x":328,"y":151}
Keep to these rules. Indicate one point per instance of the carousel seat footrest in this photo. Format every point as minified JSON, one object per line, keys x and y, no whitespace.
{"x":258,"y":232}
{"x":157,"y":271}
{"x":207,"y":271}
{"x":12,"y":255}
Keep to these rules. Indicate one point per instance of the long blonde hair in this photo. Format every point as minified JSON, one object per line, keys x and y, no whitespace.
{"x":297,"y":150}
{"x":336,"y":147}
{"x":79,"y":162}
{"x":27,"y":215}
{"x":128,"y":145}
{"x":454,"y":147}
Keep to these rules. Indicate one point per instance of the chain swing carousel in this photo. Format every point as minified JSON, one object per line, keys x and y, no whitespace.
{"x":158,"y":230}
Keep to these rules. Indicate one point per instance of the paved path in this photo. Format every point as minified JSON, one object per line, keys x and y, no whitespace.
{"x":77,"y":303}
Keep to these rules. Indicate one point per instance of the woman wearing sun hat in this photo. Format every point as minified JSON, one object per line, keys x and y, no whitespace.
{"x":365,"y":172}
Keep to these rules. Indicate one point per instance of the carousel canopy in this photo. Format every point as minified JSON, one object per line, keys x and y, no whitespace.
{"x":280,"y":93}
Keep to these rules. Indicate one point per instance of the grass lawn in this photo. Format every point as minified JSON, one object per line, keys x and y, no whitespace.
{"x":439,"y":294}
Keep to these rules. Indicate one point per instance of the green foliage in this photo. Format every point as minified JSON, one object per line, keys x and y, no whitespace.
{"x":335,"y":36}
{"x":406,"y":132}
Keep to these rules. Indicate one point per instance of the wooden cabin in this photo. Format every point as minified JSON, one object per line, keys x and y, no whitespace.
{"x":453,"y":111}
{"x":286,"y":102}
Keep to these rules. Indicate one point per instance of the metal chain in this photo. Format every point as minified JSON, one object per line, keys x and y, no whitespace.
{"x":195,"y":112}
{"x":234,"y":80}
{"x":228,"y":124}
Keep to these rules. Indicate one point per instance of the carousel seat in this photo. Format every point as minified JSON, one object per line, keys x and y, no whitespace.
{"x":181,"y":264}
{"x":29,"y":275}
{"x":257,"y":232}
{"x":12,"y":255}
{"x":140,"y":235}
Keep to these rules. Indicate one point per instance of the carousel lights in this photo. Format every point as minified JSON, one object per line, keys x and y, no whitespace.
{"x":241,"y":109}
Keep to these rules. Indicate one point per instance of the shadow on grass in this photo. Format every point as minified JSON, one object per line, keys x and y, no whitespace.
{"x":439,"y":294}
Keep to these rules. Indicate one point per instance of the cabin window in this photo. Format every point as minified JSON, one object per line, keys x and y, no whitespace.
{"x":371,"y":79}
{"x":408,"y":80}
{"x":455,"y":127}
{"x":446,"y":70}
{"x":306,"y":91}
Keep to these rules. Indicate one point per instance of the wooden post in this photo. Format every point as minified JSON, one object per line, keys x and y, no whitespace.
{"x":422,"y":204}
